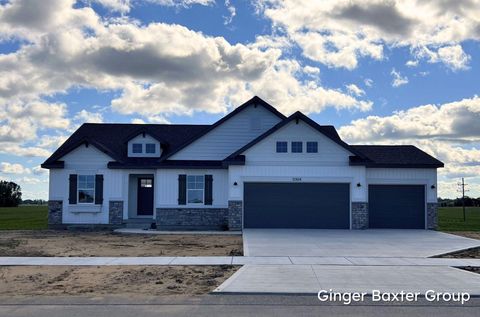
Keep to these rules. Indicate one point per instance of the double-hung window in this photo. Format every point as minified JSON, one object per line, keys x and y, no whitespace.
{"x":297,"y":147}
{"x":86,"y":189}
{"x":195,"y":189}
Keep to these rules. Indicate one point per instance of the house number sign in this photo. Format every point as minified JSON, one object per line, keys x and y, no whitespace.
{"x":297,"y":179}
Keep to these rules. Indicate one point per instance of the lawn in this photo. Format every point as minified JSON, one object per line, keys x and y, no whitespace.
{"x":23,"y":217}
{"x":451,"y":219}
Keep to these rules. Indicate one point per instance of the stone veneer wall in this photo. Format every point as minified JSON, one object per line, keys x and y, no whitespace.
{"x":55,"y":213}
{"x":235,"y":214}
{"x":115,"y":212}
{"x":359,"y":215}
{"x":432,"y":215}
{"x":192,"y":218}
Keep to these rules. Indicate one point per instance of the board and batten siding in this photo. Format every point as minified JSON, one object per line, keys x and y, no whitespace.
{"x":166,"y":188}
{"x":406,"y":176}
{"x":230,"y":136}
{"x":329,"y":153}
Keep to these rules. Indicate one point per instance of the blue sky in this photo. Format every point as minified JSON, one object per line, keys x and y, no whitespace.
{"x":382,"y":72}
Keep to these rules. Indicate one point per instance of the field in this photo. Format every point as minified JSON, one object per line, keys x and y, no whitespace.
{"x":451,"y":219}
{"x":23,"y":217}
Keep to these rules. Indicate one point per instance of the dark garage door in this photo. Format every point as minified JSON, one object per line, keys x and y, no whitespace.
{"x":396,"y":206}
{"x":297,"y":205}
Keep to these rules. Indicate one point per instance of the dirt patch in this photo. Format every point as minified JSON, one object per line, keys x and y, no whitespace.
{"x":474,"y":269}
{"x":467,"y":234}
{"x":472,"y":253}
{"x":67,"y":243}
{"x":111,"y":280}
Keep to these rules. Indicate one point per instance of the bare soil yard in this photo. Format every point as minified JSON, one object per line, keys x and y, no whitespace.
{"x":111,"y":280}
{"x":67,"y":243}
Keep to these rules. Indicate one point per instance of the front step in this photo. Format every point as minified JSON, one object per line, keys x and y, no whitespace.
{"x":138,"y":223}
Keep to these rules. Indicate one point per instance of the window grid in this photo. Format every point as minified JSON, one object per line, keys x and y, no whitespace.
{"x":195,"y":189}
{"x":86,"y":189}
{"x":312,"y":147}
{"x":150,"y":148}
{"x":297,"y":147}
{"x":137,"y":148}
{"x":282,"y":147}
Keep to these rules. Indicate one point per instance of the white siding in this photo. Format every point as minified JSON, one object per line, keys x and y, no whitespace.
{"x":229,"y":136}
{"x":329,"y":153}
{"x":167,"y":188}
{"x":306,"y":174}
{"x":87,"y":158}
{"x":144,"y":140}
{"x":406,"y":176}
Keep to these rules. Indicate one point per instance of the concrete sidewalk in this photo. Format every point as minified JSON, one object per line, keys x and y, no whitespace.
{"x":240,"y":260}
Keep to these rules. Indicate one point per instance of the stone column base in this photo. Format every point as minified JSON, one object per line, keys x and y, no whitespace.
{"x":359,"y":215}
{"x":115,"y":212}
{"x":235,"y":214}
{"x":55,"y":212}
{"x":432,"y":216}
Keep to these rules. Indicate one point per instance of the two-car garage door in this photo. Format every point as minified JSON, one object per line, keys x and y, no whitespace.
{"x":297,"y":205}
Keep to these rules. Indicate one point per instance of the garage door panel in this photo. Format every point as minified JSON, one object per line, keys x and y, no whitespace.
{"x":396,"y":206}
{"x":296,"y":205}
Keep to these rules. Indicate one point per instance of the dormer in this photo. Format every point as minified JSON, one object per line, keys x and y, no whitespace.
{"x":144,"y":145}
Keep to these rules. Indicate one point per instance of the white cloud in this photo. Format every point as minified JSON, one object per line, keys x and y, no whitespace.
{"x":182,"y":3}
{"x":37,"y":170}
{"x":412,"y":63}
{"x":398,"y":79}
{"x":9,"y":168}
{"x":338,"y":33}
{"x":85,"y":116}
{"x":232,"y":12}
{"x":355,"y":90}
{"x":122,"y":6}
{"x":368,"y":82}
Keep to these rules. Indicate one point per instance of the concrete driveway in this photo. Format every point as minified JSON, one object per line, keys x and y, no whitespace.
{"x":361,"y":243}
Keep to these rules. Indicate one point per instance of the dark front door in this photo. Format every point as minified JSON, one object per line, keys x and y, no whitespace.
{"x":297,"y":205}
{"x":396,"y":206}
{"x":145,"y":197}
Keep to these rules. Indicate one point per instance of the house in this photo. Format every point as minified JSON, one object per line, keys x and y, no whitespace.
{"x":254,"y":168}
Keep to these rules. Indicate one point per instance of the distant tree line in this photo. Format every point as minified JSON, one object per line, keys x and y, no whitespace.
{"x":457,"y":202}
{"x":34,"y":202}
{"x":10,"y":194}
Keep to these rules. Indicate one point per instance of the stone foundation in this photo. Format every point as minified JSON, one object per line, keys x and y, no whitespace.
{"x":359,"y":215}
{"x":55,"y":208}
{"x":235,"y":213}
{"x":432,"y":216}
{"x":192,"y":218}
{"x":115,"y":212}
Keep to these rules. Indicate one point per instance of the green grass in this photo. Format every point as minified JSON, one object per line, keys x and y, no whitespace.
{"x":23,"y":217}
{"x":451,"y":219}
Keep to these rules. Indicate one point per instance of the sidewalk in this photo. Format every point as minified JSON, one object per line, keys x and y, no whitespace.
{"x":239,"y":260}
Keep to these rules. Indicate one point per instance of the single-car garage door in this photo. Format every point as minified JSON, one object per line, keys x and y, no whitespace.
{"x":297,"y":205}
{"x":396,"y":206}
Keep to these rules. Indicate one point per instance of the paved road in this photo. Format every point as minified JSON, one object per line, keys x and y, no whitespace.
{"x":216,"y":305}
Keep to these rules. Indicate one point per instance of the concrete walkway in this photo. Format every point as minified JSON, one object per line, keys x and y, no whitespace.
{"x":240,"y":260}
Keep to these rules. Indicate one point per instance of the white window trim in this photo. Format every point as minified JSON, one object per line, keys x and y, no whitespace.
{"x":203,"y":190}
{"x":78,"y":189}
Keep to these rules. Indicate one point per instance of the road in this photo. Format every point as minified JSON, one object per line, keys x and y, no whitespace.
{"x":222,"y":305}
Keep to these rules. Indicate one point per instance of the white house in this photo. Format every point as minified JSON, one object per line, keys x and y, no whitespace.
{"x":254,"y":168}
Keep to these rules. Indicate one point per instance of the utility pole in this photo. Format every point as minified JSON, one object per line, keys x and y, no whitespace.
{"x":462,"y":190}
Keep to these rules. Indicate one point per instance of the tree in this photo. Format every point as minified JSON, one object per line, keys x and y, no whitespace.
{"x":10,"y":194}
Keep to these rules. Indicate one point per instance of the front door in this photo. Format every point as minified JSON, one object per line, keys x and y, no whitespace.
{"x":145,"y":197}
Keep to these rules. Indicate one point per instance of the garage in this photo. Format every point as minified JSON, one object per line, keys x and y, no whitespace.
{"x":396,"y":206}
{"x":297,"y":205}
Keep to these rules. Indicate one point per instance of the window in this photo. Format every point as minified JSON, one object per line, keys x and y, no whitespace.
{"x":297,"y":147}
{"x":195,"y":189}
{"x":146,"y":182}
{"x":86,"y":189}
{"x":137,"y":148}
{"x":312,"y":147}
{"x":150,"y":148}
{"x":282,"y":147}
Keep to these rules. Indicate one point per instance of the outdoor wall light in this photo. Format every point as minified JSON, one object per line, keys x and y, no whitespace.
{"x":432,"y":187}
{"x":359,"y":185}
{"x":235,"y":184}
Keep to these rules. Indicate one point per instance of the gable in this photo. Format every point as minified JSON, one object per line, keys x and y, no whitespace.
{"x":230,"y":135}
{"x":329,"y":152}
{"x":85,"y":157}
{"x":144,"y":139}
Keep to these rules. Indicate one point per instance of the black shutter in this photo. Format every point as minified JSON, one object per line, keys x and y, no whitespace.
{"x":72,"y":189}
{"x":208,"y":189}
{"x":182,"y":189}
{"x":98,"y":189}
